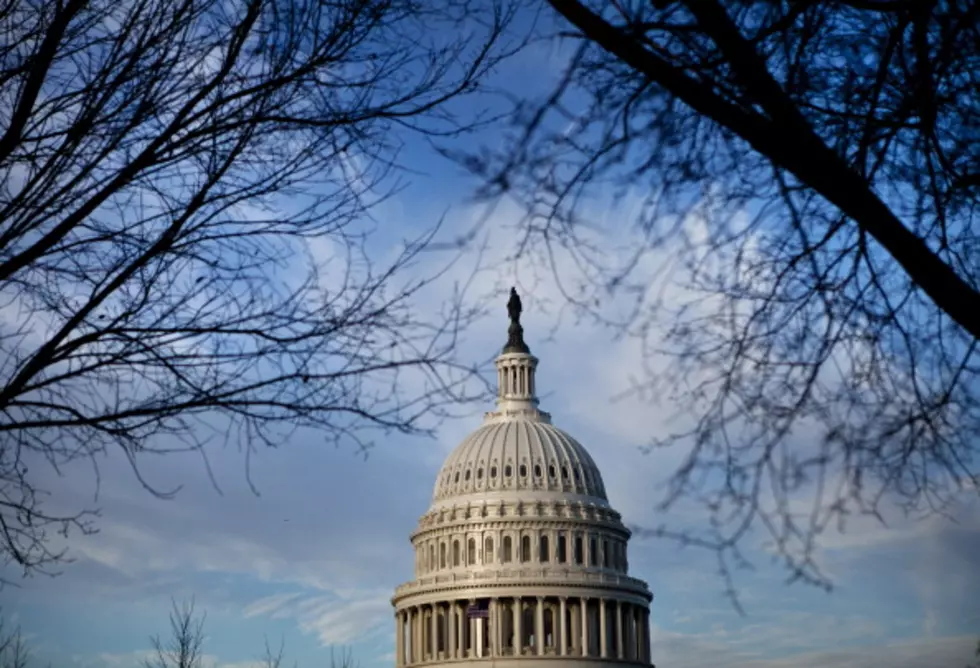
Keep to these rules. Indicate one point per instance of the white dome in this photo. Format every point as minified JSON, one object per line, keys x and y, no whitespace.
{"x":526,"y":455}
{"x":520,"y":561}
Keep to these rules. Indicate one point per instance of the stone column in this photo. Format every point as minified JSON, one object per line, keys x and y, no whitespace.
{"x":471,"y":628}
{"x":603,"y":635}
{"x":645,"y":615}
{"x":539,"y":626}
{"x":639,"y":633}
{"x":413,"y":635}
{"x":574,"y":636}
{"x":434,"y":632}
{"x":478,"y":645}
{"x":498,"y":626}
{"x":563,"y":627}
{"x":399,"y":631}
{"x":460,"y":631}
{"x":633,"y":628}
{"x":451,"y":630}
{"x":585,"y":626}
{"x":518,"y":624}
{"x":619,"y":630}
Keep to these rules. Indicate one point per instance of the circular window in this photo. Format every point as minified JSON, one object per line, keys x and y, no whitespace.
{"x":537,"y":470}
{"x":523,"y":471}
{"x":493,"y":471}
{"x":508,"y":471}
{"x":457,"y":477}
{"x":551,"y":471}
{"x":479,"y":473}
{"x":564,"y":472}
{"x":467,"y":476}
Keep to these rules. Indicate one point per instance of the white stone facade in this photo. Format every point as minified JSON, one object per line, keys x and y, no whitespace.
{"x":520,"y":560}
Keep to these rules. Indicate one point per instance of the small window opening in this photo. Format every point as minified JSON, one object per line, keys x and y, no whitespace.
{"x":551,"y":471}
{"x":493,"y":471}
{"x":508,"y":471}
{"x":526,"y":549}
{"x":479,"y":473}
{"x":467,"y":476}
{"x":523,"y":471}
{"x":507,"y":550}
{"x":543,"y":555}
{"x":561,"y":548}
{"x":564,"y":472}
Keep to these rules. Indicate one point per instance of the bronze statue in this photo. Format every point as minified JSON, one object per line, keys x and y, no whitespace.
{"x":515,"y":333}
{"x":514,"y":306}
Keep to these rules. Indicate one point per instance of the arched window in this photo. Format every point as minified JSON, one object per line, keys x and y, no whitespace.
{"x":432,"y":557}
{"x":506,"y":557}
{"x":455,"y":553}
{"x":525,"y":549}
{"x":578,"y":550}
{"x":605,"y":553}
{"x":561,"y":548}
{"x":471,"y":552}
{"x":593,"y":552}
{"x":523,"y":470}
{"x":488,"y":550}
{"x":543,"y":555}
{"x":442,"y":555}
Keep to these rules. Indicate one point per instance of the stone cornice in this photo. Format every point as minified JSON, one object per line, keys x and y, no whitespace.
{"x":530,"y":578}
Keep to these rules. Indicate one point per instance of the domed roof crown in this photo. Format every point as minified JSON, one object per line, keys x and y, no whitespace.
{"x":517,"y":448}
{"x":519,"y":454}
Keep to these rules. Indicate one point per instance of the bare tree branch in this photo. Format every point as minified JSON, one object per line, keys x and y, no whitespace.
{"x":804,"y":175}
{"x":186,"y":249}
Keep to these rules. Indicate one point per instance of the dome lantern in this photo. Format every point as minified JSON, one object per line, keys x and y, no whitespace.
{"x":515,"y":368}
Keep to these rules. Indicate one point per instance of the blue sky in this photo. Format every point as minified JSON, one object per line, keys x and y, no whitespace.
{"x":314,"y":559}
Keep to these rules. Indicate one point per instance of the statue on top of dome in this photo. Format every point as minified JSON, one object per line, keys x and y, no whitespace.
{"x":514,"y":306}
{"x":515,"y":333}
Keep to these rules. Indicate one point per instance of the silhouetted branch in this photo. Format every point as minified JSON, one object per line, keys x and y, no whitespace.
{"x":185,"y":247}
{"x":810,"y":201}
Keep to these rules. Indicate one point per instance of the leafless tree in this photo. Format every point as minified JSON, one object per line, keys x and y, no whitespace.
{"x":185,"y":190}
{"x":274,"y":659}
{"x":14,"y":652}
{"x":184,"y":647}
{"x":824,"y":343}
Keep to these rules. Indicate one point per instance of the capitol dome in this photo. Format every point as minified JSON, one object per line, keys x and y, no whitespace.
{"x":520,"y":559}
{"x":531,"y":456}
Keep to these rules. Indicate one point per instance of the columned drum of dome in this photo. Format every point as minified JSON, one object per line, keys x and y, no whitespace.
{"x":520,"y":559}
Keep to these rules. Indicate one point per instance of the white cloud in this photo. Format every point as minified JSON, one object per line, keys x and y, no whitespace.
{"x":334,"y":619}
